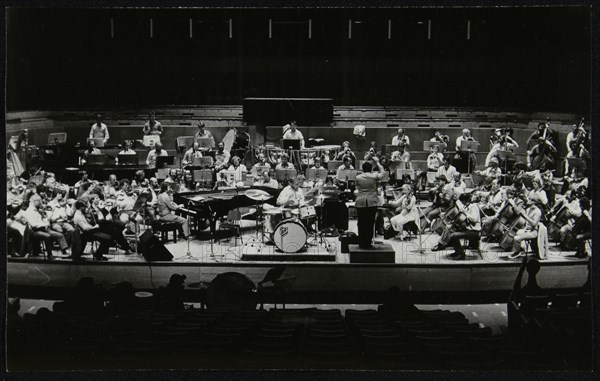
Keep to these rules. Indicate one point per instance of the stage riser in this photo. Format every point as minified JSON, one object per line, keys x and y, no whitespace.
{"x":326,"y":278}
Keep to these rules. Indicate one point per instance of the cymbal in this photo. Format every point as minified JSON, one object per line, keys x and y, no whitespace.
{"x":257,"y":195}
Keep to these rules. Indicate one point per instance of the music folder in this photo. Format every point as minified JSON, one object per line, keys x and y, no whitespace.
{"x":161,"y":161}
{"x":469,"y":146}
{"x":401,"y":172}
{"x":151,"y":140}
{"x":292,"y":144}
{"x":258,"y":171}
{"x":185,"y":141}
{"x":56,"y":138}
{"x":346,"y":174}
{"x":207,"y":143}
{"x":333,"y":165}
{"x":203,"y":162}
{"x":128,"y":159}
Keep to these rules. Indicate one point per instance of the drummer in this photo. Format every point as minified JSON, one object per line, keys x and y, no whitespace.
{"x":294,"y":134}
{"x":292,"y":195}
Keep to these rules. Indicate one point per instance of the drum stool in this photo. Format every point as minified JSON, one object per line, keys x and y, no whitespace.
{"x":164,"y":227}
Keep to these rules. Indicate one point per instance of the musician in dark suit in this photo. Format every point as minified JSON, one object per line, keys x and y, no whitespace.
{"x":367,"y":201}
{"x":471,"y":231}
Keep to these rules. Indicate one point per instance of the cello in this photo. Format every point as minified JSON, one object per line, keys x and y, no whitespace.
{"x":508,"y":238}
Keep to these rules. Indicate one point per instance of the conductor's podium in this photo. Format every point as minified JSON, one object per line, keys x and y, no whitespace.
{"x":380,"y":253}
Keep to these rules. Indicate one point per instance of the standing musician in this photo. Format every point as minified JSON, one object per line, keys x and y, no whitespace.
{"x":401,"y":138}
{"x":292,"y":133}
{"x":152,"y":126}
{"x":191,"y":154}
{"x":154,"y":153}
{"x":203,"y":132}
{"x":576,"y":151}
{"x":578,"y":134}
{"x":543,"y":131}
{"x":441,"y":138}
{"x":434,"y":161}
{"x":471,"y":229}
{"x":541,"y":155}
{"x":99,"y":129}
{"x":532,"y":216}
{"x":221,"y":157}
{"x":463,"y":156}
{"x":367,"y":200}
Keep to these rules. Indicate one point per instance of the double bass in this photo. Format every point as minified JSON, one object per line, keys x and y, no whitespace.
{"x":454,"y":220}
{"x":507,"y":240}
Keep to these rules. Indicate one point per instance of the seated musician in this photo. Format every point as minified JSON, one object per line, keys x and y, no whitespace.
{"x":221,"y":157}
{"x":401,"y":138}
{"x":166,"y":209}
{"x":441,"y":197}
{"x":99,"y":130}
{"x":346,"y":165}
{"x":543,"y":131}
{"x":84,"y":179}
{"x":346,"y":151}
{"x":35,"y":217}
{"x":317,"y":163}
{"x":127,"y":148}
{"x":139,"y":179}
{"x":152,"y":126}
{"x":224,"y":181}
{"x":91,"y":232}
{"x":154,"y":153}
{"x":532,"y":216}
{"x":538,"y":191}
{"x":188,"y":182}
{"x":571,"y":209}
{"x":203,"y":132}
{"x":541,"y":155}
{"x":406,"y":209}
{"x":239,"y":168}
{"x":60,"y":215}
{"x":434,"y":161}
{"x":262,"y":163}
{"x":171,"y":176}
{"x":402,"y":156}
{"x":285,"y":163}
{"x":90,"y":150}
{"x":457,"y":185}
{"x":583,"y":229}
{"x":504,"y":143}
{"x":574,"y":180}
{"x":191,"y":154}
{"x":447,"y":170}
{"x":493,"y":170}
{"x":108,"y":224}
{"x":292,"y":195}
{"x":266,"y":181}
{"x":441,"y":138}
{"x":576,"y":151}
{"x":292,"y":133}
{"x":471,"y":230}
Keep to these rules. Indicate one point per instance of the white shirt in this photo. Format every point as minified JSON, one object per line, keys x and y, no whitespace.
{"x":271,"y":184}
{"x":289,"y":194}
{"x":449,"y":173}
{"x":434,"y":160}
{"x":396,"y":141}
{"x":239,"y":171}
{"x":294,"y":135}
{"x":101,"y":131}
{"x":151,"y":159}
{"x":33,"y":217}
{"x":81,"y":222}
{"x":222,"y":159}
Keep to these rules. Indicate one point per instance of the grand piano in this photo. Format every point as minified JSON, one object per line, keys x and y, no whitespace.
{"x":212,"y":205}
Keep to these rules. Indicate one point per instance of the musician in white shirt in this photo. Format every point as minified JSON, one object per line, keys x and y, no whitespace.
{"x":401,"y":138}
{"x":99,"y":130}
{"x":446,"y":170}
{"x":154,"y":153}
{"x":239,"y":169}
{"x":267,"y":181}
{"x":191,"y":154}
{"x":294,"y":134}
{"x":292,"y":195}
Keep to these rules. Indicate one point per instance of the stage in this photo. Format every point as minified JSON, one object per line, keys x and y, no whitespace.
{"x":321,"y":274}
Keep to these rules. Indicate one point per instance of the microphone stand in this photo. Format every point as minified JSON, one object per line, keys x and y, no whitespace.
{"x":188,"y":255}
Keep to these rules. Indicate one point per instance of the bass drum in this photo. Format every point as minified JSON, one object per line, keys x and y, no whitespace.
{"x":290,"y":236}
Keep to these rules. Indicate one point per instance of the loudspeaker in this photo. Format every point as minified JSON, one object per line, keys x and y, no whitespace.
{"x":152,"y":249}
{"x":335,"y":213}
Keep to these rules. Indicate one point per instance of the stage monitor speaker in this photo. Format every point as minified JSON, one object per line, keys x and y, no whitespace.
{"x":335,"y":213}
{"x":280,"y":111}
{"x":152,"y":249}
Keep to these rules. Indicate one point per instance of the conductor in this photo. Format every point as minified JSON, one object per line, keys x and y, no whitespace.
{"x":367,"y":201}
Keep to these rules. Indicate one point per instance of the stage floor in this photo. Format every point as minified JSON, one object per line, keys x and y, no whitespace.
{"x":250,"y":249}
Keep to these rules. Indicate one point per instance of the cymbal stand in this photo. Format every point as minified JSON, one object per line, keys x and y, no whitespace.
{"x":212,"y":238}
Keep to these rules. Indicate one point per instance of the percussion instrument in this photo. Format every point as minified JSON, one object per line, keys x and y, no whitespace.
{"x":257,"y":195}
{"x":275,"y":216}
{"x":235,"y":140}
{"x":290,"y":235}
{"x":305,"y":212}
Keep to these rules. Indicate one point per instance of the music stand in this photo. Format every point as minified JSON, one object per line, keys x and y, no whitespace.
{"x":203,"y":176}
{"x":292,"y":144}
{"x":185,"y":142}
{"x":206,"y":143}
{"x":258,"y":171}
{"x":162,"y":173}
{"x":56,"y":138}
{"x":427,"y":144}
{"x":231,"y":175}
{"x":469,"y":146}
{"x":576,"y":162}
{"x":162,"y":161}
{"x":388,"y":149}
{"x":285,"y":174}
{"x":347,"y":174}
{"x":333,"y":165}
{"x":151,"y":140}
{"x":506,"y":156}
{"x":316,"y":174}
{"x":128,"y":159}
{"x":401,"y":172}
{"x":98,"y":142}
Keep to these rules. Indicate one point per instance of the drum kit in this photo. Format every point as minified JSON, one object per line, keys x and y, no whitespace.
{"x":289,"y":234}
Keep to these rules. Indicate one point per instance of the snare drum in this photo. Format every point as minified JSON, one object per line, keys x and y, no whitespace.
{"x":290,"y":235}
{"x":274,"y":217}
{"x":305,"y":212}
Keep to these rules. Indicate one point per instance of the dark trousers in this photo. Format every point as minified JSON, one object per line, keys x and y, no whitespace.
{"x":103,"y":239}
{"x":114,"y":231}
{"x":454,"y":240}
{"x":366,"y":225}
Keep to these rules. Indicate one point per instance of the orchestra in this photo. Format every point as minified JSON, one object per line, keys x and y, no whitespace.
{"x":504,"y":202}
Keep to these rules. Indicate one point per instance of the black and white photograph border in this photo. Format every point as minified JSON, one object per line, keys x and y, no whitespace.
{"x":298,"y":190}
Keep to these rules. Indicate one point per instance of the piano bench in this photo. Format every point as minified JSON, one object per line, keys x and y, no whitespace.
{"x":164,"y":227}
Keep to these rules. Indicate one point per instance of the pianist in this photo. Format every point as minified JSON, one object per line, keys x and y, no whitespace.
{"x":99,"y":129}
{"x":166,"y":209}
